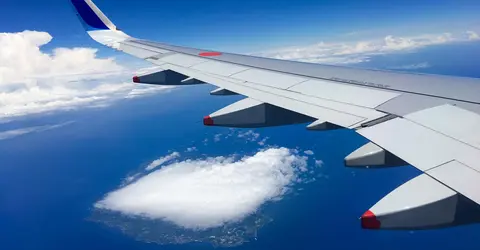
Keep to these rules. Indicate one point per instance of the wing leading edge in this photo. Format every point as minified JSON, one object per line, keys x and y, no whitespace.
{"x":427,"y":121}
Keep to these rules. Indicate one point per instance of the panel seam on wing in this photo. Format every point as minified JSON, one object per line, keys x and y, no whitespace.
{"x":320,"y":78}
{"x":282,"y":96}
{"x":441,"y":133}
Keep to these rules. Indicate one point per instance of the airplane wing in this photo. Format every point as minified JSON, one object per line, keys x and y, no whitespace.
{"x":430,"y":122}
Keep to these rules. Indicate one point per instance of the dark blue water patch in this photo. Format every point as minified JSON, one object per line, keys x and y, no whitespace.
{"x":164,"y":233}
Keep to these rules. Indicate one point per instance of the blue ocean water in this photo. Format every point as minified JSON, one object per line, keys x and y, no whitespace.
{"x":49,"y":181}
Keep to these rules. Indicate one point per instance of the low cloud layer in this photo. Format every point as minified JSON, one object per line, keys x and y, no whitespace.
{"x":208,"y":193}
{"x":361,"y":51}
{"x":10,"y":134}
{"x":34,"y":81}
{"x":423,"y":65}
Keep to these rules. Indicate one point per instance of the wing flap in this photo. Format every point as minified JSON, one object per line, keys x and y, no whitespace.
{"x":459,"y":177}
{"x":296,"y":105}
{"x":435,"y":144}
{"x":365,"y":113}
{"x":339,"y":92}
{"x":455,"y":122}
{"x":420,"y":146}
{"x":342,"y":114}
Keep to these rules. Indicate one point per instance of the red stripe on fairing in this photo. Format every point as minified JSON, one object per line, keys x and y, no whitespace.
{"x":207,"y":121}
{"x":210,"y":54}
{"x":369,"y":220}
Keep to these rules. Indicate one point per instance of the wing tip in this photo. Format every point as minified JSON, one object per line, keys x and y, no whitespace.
{"x":91,"y":17}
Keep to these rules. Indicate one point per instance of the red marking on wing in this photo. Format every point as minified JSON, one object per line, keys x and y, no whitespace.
{"x":210,"y":54}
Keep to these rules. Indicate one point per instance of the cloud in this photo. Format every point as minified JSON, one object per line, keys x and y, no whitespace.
{"x":472,"y":35}
{"x":162,"y":160}
{"x":249,"y":135}
{"x":9,"y":134}
{"x":360,"y":51}
{"x":318,"y":163}
{"x":191,"y":149}
{"x":413,"y":66}
{"x":246,"y":136}
{"x":208,"y":193}
{"x":263,"y":141}
{"x":217,"y":138}
{"x":309,"y":152}
{"x":131,"y":178}
{"x":34,"y":81}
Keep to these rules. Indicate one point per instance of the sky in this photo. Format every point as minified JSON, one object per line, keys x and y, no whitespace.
{"x":246,"y":25}
{"x":57,"y":85}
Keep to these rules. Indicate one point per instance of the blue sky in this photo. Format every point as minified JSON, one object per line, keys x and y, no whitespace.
{"x":246,"y":25}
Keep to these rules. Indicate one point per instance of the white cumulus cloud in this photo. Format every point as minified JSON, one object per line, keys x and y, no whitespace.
{"x":33,"y":81}
{"x":308,"y":152}
{"x":207,"y":193}
{"x":162,"y":160}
